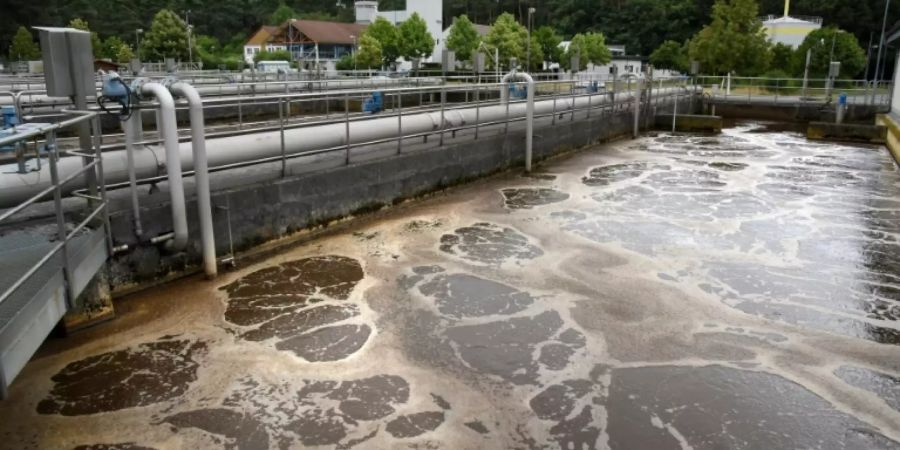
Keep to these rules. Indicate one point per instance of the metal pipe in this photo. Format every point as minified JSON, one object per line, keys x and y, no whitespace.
{"x":201,"y":175}
{"x":168,"y":128}
{"x":129,"y":128}
{"x":16,"y":188}
{"x":529,"y":111}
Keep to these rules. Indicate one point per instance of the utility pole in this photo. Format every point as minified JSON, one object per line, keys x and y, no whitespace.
{"x":137,"y":42}
{"x":869,"y":55}
{"x":187,"y":22}
{"x":887,"y":4}
{"x":531,"y":11}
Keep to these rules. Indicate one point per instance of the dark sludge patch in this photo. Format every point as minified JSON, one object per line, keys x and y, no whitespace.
{"x":717,"y":407}
{"x":527,"y":198}
{"x":606,"y":175}
{"x":321,"y":412}
{"x":239,"y":430}
{"x":886,"y":387}
{"x":489,"y":244}
{"x":417,"y":424}
{"x":463,"y":295}
{"x":580,"y":432}
{"x":138,"y":376}
{"x":120,"y":446}
{"x":557,"y":401}
{"x":728,"y":166}
{"x":440,"y":402}
{"x":506,"y":348}
{"x":477,"y":427}
{"x":280,"y":304}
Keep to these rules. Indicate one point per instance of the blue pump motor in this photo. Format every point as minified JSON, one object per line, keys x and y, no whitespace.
{"x":374,"y":104}
{"x":10,"y":118}
{"x":516,"y":91}
{"x":113,"y":87}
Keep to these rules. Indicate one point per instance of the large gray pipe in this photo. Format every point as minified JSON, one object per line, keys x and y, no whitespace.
{"x":15,"y":188}
{"x":169,"y":131}
{"x":201,"y":175}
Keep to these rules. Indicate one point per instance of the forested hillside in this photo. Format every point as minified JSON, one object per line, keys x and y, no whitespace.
{"x":642,"y":25}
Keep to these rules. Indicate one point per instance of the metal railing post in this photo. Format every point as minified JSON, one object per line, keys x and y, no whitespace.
{"x":443,"y":99}
{"x":399,"y":123}
{"x":101,"y":180}
{"x":281,"y":131}
{"x":347,"y":125}
{"x":60,"y":218}
{"x":477,"y":109}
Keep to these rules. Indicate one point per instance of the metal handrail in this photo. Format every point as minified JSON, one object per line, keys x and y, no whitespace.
{"x":55,"y":187}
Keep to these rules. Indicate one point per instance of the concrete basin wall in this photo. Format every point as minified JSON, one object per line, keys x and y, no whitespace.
{"x":263,"y":207}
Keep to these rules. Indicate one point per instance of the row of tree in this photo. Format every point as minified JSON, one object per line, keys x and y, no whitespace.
{"x":641,"y":25}
{"x":735,"y":42}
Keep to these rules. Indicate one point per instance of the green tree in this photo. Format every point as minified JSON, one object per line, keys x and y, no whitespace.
{"x":23,"y":47}
{"x":591,"y":48}
{"x":282,"y":14}
{"x":167,"y":38}
{"x":124,"y":54}
{"x":345,"y":63}
{"x":549,"y":40}
{"x":846,"y":50}
{"x":734,"y":41}
{"x":508,"y":37}
{"x":96,"y":44}
{"x":783,"y":58}
{"x":415,"y":41}
{"x":463,"y":38}
{"x":368,"y":54}
{"x":388,"y":37}
{"x":670,"y":55}
{"x":111,"y":47}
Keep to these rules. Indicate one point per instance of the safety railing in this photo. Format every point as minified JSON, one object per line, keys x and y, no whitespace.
{"x":97,"y":208}
{"x":344,"y":107}
{"x":761,"y":90}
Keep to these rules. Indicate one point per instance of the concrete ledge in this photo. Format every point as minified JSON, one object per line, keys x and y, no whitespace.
{"x":892,"y":138}
{"x":874,"y":134}
{"x":690,"y":123}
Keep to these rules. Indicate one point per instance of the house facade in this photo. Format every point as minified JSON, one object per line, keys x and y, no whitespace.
{"x":312,"y":43}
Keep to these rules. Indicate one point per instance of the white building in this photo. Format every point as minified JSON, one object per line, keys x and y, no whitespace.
{"x":439,"y":47}
{"x":790,"y":30}
{"x":432,"y":11}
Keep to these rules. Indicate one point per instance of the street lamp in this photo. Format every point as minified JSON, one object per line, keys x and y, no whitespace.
{"x":137,"y":41}
{"x":530,"y":23}
{"x":353,"y":53}
{"x":291,"y":38}
{"x":190,"y":28}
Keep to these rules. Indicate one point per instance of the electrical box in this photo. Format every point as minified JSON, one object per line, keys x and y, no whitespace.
{"x":135,"y":66}
{"x":478,"y":61}
{"x":68,"y":62}
{"x":448,"y":60}
{"x":170,"y":65}
{"x":695,"y":67}
{"x":576,"y":63}
{"x":513,"y":63}
{"x":834,"y":69}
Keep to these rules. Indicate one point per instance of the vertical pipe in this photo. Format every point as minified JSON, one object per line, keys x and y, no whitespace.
{"x":130,"y":138}
{"x":637,"y":109}
{"x":529,"y":117}
{"x":201,"y":176}
{"x":168,"y":128}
